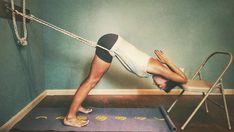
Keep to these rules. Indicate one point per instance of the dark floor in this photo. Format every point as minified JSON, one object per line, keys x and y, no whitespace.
{"x":214,"y":121}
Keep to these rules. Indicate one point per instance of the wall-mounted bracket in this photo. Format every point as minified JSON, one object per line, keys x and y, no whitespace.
{"x":6,"y":13}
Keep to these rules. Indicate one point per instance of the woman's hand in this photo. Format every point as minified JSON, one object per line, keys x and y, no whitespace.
{"x":161,"y":56}
{"x":172,"y":73}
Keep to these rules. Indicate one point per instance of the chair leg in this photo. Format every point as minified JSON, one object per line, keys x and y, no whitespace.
{"x":226,"y":108}
{"x":207,"y":110}
{"x":177,"y":99}
{"x":196,"y":109}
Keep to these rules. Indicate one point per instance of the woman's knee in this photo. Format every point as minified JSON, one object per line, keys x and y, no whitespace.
{"x":93,"y":81}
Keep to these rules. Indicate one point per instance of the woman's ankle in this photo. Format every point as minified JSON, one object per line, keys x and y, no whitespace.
{"x":70,"y":116}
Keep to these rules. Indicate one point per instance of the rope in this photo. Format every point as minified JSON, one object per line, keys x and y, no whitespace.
{"x":21,"y":40}
{"x":72,"y":35}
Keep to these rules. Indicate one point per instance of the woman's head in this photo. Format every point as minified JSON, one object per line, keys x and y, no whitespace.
{"x":160,"y":81}
{"x":164,"y":83}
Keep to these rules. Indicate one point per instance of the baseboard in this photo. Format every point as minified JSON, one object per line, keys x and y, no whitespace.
{"x":10,"y":123}
{"x":52,"y":92}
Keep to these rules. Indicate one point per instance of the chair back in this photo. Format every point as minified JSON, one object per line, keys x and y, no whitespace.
{"x":226,"y":66}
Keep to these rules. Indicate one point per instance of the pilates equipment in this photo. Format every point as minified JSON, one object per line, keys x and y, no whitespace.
{"x":6,"y":13}
{"x":65,"y":32}
{"x":101,"y":119}
{"x":21,"y":40}
{"x":45,"y":23}
{"x":201,"y":85}
{"x":7,"y":7}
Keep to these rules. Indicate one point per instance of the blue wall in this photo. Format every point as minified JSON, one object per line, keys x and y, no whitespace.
{"x":186,"y":30}
{"x":21,"y":68}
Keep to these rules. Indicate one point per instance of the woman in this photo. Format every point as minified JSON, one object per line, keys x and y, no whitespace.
{"x":165,"y":74}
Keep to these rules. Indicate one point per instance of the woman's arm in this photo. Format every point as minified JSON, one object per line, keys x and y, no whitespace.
{"x":165,"y":60}
{"x":170,"y":72}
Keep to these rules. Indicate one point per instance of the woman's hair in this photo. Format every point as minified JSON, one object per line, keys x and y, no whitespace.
{"x":170,"y":85}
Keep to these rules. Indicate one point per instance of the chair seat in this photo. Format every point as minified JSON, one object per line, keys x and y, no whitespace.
{"x":198,"y":86}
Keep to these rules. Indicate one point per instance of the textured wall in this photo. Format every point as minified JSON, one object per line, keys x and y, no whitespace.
{"x":186,"y":30}
{"x":21,"y":68}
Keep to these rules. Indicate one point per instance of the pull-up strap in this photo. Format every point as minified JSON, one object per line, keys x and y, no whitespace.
{"x":124,"y":63}
{"x":83,"y":40}
{"x":21,"y":40}
{"x":70,"y":34}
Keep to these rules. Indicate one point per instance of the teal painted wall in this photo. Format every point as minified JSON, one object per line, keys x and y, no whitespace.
{"x":21,"y":68}
{"x":187,"y":30}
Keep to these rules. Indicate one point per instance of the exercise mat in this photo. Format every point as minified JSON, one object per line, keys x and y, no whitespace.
{"x":101,"y":119}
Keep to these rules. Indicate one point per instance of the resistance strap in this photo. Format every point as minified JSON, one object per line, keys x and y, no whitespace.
{"x":72,"y":35}
{"x":83,"y":40}
{"x":21,"y":40}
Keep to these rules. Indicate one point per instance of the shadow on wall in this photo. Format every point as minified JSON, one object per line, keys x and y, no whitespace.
{"x":26,"y":62}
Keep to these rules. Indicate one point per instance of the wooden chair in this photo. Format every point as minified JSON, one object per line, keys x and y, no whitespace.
{"x":201,"y":85}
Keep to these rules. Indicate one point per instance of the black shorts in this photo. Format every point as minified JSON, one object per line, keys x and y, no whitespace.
{"x":106,"y":41}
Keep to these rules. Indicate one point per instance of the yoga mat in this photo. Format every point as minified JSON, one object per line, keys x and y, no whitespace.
{"x":101,"y":119}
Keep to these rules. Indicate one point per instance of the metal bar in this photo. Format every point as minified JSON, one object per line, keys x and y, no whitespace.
{"x":7,"y":14}
{"x":206,"y":106}
{"x":177,"y":99}
{"x":212,"y":101}
{"x":196,"y":109}
{"x":206,"y":60}
{"x":226,"y":108}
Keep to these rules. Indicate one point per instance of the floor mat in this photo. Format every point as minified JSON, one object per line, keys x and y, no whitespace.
{"x":101,"y":119}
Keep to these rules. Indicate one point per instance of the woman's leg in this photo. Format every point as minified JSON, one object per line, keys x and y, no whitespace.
{"x":98,"y":68}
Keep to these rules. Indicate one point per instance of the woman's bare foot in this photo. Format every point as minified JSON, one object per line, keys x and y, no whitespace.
{"x":74,"y":122}
{"x":84,"y":110}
